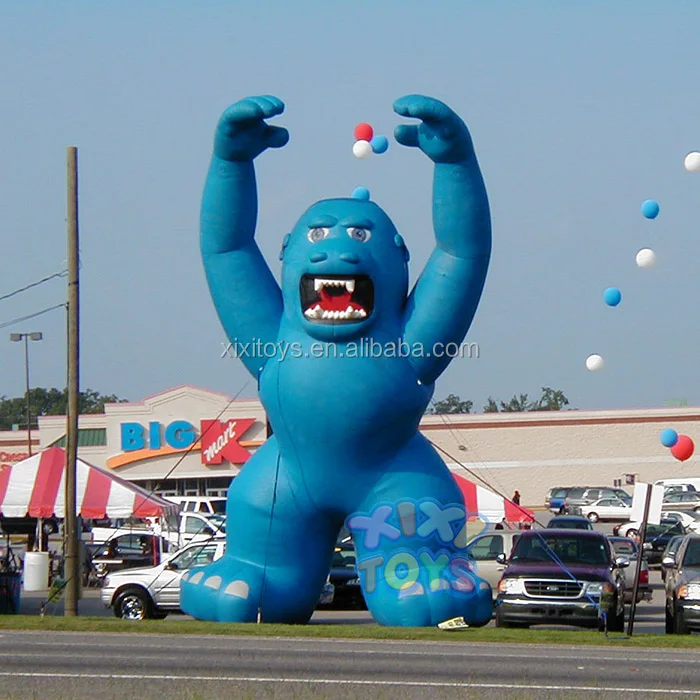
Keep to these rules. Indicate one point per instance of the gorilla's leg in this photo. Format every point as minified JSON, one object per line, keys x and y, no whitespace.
{"x":278,"y":550}
{"x":413,"y":567}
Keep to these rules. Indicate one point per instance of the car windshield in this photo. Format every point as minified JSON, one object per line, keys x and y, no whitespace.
{"x":562,"y":548}
{"x":219,"y":507}
{"x":200,"y":555}
{"x":665,"y":528}
{"x":692,"y":554}
{"x":624,"y":547}
{"x":219,"y":521}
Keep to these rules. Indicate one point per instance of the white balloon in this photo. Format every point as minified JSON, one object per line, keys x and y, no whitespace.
{"x":362,"y":149}
{"x":594,"y":363}
{"x":646,"y":257}
{"x":692,"y":162}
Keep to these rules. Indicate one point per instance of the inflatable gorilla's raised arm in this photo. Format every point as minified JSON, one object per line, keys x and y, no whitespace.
{"x":352,"y":370}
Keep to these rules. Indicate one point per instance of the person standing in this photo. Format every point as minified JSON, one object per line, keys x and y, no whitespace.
{"x":516,"y":498}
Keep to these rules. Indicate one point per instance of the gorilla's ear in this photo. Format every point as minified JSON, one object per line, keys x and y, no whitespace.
{"x":285,"y":243}
{"x":399,"y":243}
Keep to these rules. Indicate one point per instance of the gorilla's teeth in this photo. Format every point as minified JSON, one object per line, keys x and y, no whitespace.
{"x":317,"y":284}
{"x":350,"y":286}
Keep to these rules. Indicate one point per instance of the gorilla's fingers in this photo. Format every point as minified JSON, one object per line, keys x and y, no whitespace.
{"x":269,"y":106}
{"x":427,"y":109}
{"x":276,"y":136}
{"x":406,"y":135}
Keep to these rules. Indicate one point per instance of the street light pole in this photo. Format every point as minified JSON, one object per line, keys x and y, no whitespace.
{"x":16,"y":337}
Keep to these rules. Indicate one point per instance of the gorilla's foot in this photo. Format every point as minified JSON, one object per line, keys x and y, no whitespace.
{"x":418,"y":607}
{"x":219,"y":592}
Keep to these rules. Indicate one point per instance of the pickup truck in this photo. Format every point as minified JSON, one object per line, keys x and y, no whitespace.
{"x":193,"y":527}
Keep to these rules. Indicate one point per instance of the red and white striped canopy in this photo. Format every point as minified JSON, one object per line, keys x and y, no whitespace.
{"x":489,"y":506}
{"x":35,"y":487}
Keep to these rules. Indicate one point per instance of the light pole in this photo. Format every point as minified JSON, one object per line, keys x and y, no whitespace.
{"x":17,"y":337}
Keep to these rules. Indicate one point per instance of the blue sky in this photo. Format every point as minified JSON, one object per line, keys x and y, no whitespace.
{"x":578,"y":111}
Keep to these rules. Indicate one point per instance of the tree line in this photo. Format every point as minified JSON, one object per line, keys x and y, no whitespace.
{"x":549,"y":400}
{"x":49,"y":402}
{"x":54,"y":402}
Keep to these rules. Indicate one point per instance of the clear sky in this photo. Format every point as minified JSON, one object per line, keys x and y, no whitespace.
{"x":579,"y":112}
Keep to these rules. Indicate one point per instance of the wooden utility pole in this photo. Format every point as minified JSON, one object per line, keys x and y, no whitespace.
{"x":640,"y":555}
{"x":70,"y":523}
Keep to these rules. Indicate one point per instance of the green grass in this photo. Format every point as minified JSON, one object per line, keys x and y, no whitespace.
{"x":481,"y":635}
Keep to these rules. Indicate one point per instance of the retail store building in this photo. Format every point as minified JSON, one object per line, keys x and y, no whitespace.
{"x":191,"y":441}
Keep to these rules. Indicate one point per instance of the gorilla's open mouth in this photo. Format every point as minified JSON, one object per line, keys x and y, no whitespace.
{"x":337,"y":298}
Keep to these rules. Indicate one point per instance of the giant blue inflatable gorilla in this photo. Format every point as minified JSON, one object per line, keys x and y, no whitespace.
{"x":353,"y":369}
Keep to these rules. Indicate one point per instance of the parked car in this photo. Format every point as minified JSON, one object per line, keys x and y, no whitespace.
{"x":612,"y":508}
{"x":127,"y":551}
{"x":570,"y":522}
{"x":676,"y":488}
{"x":690,"y":519}
{"x":682,"y":499}
{"x":656,"y":538}
{"x":671,"y":548}
{"x":554,"y":500}
{"x":569,"y":577}
{"x":485,"y":548}
{"x":683,"y":587}
{"x":688,"y":483}
{"x":154,"y":592}
{"x":625,"y":547}
{"x":346,"y":579}
{"x":583,"y":496}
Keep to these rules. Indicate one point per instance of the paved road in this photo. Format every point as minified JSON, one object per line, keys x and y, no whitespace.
{"x":81,"y":666}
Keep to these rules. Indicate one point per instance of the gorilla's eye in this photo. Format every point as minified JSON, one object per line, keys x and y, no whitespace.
{"x":317,"y":234}
{"x":359,"y":234}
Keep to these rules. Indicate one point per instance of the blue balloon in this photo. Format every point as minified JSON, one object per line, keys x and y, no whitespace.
{"x":379,"y":144}
{"x":360,"y":193}
{"x":612,"y":296}
{"x":650,"y":209}
{"x":668,"y":437}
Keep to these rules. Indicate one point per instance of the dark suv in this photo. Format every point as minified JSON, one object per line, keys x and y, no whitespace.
{"x":562,"y":577}
{"x":580,"y":496}
{"x":683,"y":587}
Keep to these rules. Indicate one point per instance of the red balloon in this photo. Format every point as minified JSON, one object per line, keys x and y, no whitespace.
{"x":683,"y":449}
{"x":364,"y":132}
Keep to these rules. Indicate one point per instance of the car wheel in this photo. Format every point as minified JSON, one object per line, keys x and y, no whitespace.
{"x":670,"y":627}
{"x":133,"y":604}
{"x":679,"y":625}
{"x":593,"y":517}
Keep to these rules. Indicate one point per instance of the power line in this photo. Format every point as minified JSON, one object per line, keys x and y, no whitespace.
{"x":34,"y":315}
{"x":34,"y":284}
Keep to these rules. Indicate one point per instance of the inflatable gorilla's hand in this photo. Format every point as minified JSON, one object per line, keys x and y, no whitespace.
{"x":242,"y":134}
{"x":442,"y":136}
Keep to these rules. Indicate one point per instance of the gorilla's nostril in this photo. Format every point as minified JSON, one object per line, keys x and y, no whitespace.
{"x":349,"y":258}
{"x":318,"y":257}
